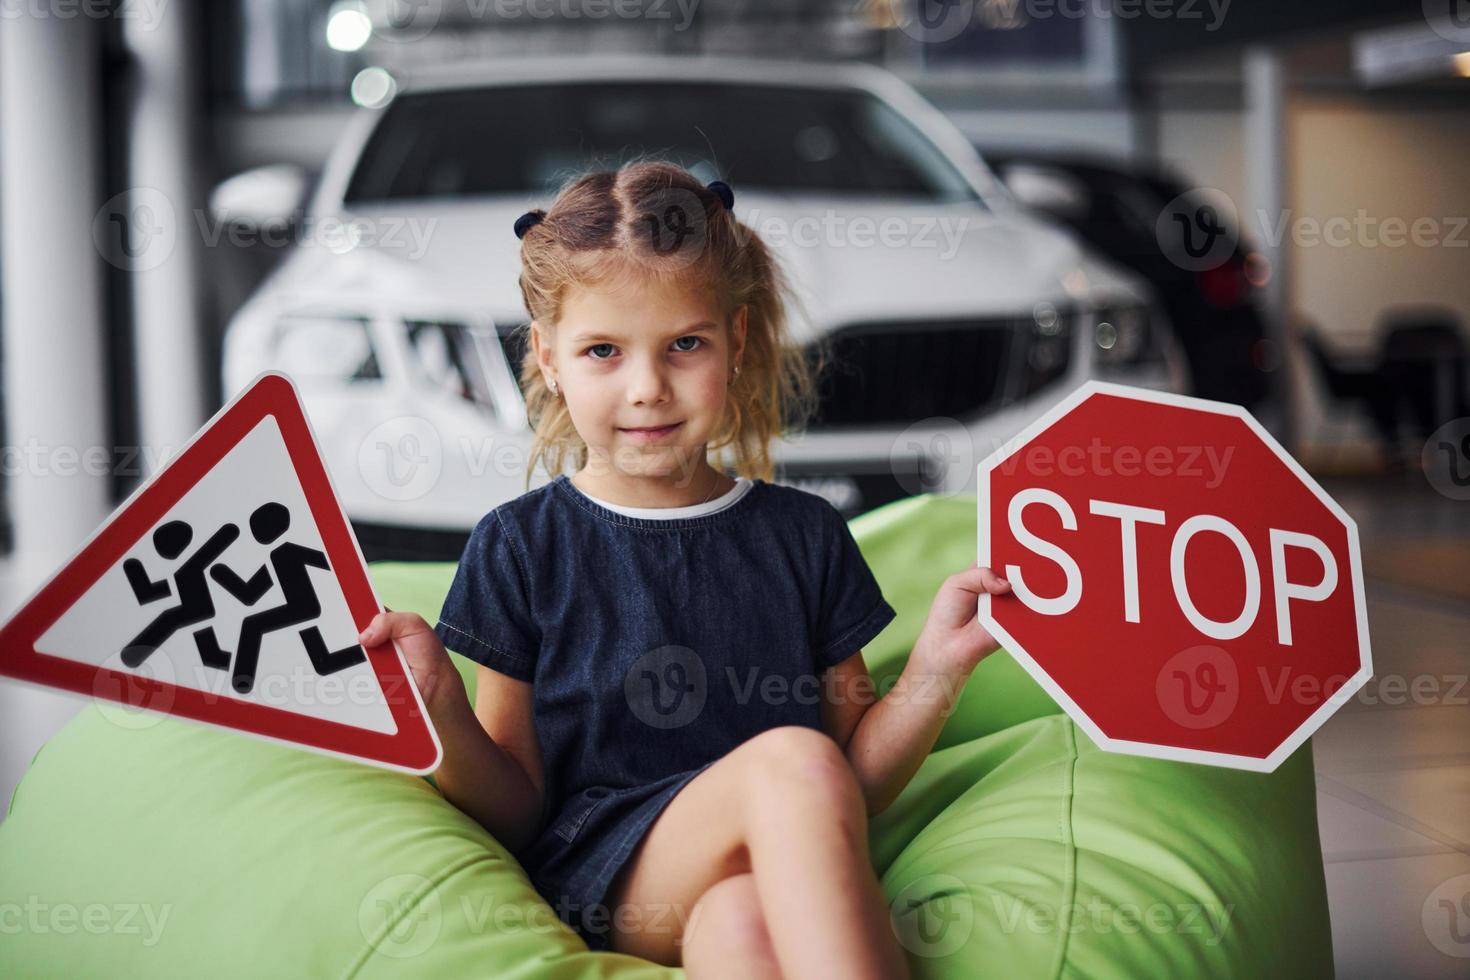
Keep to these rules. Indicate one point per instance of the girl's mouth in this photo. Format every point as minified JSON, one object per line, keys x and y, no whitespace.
{"x":651,"y":435}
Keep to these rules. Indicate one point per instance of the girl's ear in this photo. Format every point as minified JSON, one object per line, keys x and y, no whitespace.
{"x":737,"y":329}
{"x":540,"y":345}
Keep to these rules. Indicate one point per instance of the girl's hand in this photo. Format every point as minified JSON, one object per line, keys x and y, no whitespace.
{"x":952,"y":640}
{"x":433,"y":672}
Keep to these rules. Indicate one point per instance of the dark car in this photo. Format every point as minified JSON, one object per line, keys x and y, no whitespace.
{"x":1115,"y":207}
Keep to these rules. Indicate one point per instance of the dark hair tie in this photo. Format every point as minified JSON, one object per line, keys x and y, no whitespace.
{"x":726,"y":194}
{"x":525,"y":221}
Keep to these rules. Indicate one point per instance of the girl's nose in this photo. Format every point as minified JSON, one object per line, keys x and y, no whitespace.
{"x":646,"y":383}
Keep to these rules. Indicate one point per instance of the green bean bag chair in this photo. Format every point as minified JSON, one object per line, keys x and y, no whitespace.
{"x":138,"y":845}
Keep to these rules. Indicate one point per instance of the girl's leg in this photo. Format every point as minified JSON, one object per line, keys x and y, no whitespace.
{"x":784,"y":806}
{"x":808,"y":839}
{"x":727,"y":937}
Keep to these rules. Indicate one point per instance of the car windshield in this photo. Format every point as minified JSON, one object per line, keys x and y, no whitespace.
{"x":527,"y":139}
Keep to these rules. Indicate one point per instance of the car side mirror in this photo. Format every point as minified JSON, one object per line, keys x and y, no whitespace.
{"x":262,"y":197}
{"x":1047,"y":190}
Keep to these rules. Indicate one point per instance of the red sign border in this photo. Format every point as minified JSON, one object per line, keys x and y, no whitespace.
{"x":414,"y":748}
{"x":1066,"y":405}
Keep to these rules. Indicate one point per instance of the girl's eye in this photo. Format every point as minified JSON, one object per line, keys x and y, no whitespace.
{"x":682,"y":350}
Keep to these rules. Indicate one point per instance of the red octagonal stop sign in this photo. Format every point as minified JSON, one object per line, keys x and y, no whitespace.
{"x":1180,"y":585}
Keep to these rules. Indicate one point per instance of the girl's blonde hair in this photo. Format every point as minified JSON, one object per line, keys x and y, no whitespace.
{"x":654,"y":220}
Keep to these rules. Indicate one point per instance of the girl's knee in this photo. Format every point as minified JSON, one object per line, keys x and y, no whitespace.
{"x":795,"y":747}
{"x":794,"y":759}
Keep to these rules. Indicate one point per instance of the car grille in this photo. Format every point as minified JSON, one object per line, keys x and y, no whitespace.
{"x":884,"y":374}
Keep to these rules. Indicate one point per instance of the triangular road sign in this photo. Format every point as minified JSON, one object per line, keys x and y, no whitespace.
{"x":229,"y":590}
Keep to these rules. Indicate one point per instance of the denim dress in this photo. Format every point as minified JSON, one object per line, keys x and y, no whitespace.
{"x":654,"y":646}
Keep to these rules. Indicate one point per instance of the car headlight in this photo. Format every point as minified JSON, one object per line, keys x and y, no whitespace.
{"x":1045,"y":345}
{"x":335,"y":347}
{"x":1124,"y":337}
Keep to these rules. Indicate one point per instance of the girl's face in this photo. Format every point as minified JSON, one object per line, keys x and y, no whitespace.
{"x":639,"y":356}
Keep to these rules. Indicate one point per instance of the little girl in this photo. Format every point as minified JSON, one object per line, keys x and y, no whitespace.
{"x":674,"y":730}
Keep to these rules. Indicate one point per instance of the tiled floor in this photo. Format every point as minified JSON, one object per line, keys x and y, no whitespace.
{"x":1393,"y":765}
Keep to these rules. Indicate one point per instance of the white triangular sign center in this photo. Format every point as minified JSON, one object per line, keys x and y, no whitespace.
{"x":111,"y":614}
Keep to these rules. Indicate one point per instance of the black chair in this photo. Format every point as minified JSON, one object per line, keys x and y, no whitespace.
{"x":1422,"y":366}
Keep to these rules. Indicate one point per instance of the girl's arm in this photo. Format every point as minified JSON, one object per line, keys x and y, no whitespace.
{"x":483,"y":779}
{"x":476,"y":775}
{"x":886,"y":741}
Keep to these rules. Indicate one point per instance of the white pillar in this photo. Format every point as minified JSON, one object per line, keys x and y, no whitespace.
{"x":1267,"y":186}
{"x":51,"y":285}
{"x":168,"y":265}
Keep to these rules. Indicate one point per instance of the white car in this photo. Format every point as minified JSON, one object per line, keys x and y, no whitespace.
{"x":955,"y":317}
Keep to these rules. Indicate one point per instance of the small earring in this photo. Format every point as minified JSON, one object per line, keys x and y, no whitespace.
{"x":554,"y":390}
{"x":736,"y":374}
